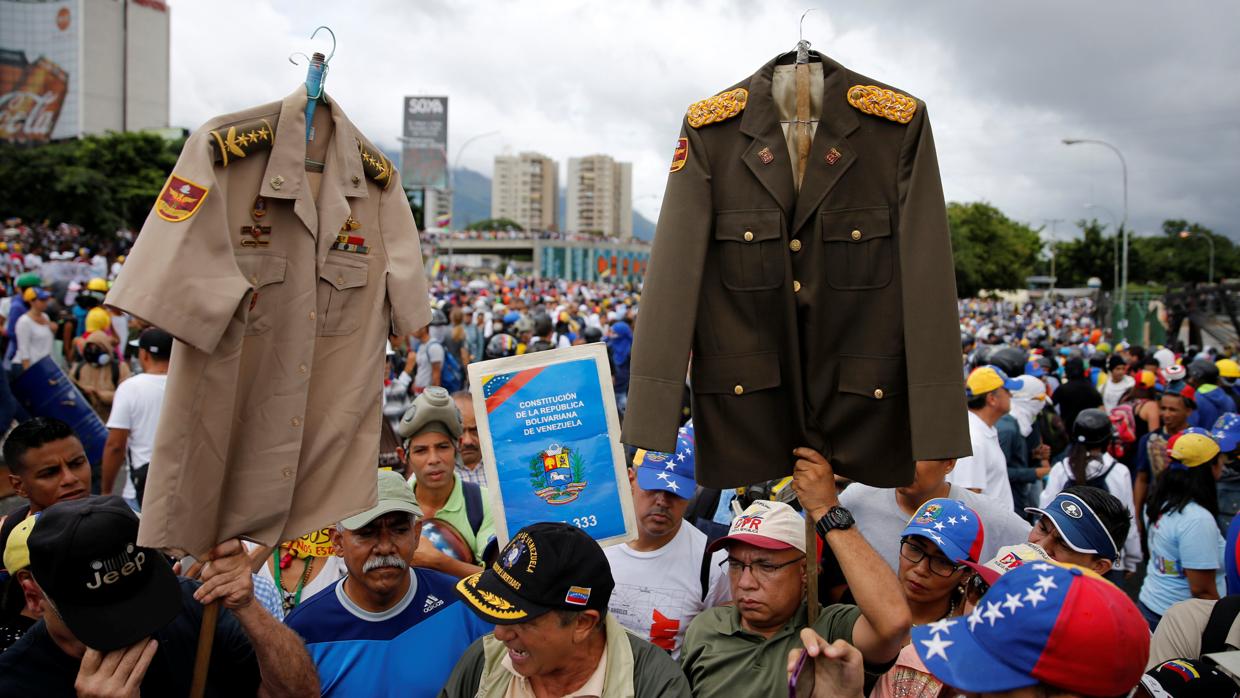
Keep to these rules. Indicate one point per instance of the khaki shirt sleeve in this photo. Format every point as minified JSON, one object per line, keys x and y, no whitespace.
{"x":406,"y":275}
{"x":938,"y":426}
{"x":665,"y":323}
{"x":182,"y":276}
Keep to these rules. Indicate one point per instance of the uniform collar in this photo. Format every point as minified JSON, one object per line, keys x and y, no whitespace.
{"x":760,"y":120}
{"x":288,"y":152}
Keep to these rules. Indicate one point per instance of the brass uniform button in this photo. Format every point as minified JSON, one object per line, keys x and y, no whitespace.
{"x":795,"y":245}
{"x":339,"y":280}
{"x":878,"y":393}
{"x":277,"y":182}
{"x":856,"y":234}
{"x":739,"y":389}
{"x":356,"y":180}
{"x":748,"y":236}
{"x":295,"y":422}
{"x":302,"y":369}
{"x":796,"y":286}
{"x":311,"y":314}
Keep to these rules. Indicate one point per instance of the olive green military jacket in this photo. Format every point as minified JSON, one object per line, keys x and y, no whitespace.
{"x":822,"y":318}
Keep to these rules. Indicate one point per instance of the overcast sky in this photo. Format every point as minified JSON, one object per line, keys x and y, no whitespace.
{"x":1004,"y":83}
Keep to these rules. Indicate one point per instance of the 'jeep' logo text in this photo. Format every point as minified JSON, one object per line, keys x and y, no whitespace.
{"x":116,"y":572}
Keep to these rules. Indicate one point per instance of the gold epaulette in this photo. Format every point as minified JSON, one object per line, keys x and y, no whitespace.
{"x":240,"y":140}
{"x":721,"y":107}
{"x":888,"y":104}
{"x":377,"y":167}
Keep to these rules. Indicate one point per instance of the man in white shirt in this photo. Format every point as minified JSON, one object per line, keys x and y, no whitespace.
{"x":664,"y":579}
{"x":988,"y":395}
{"x":135,"y":416}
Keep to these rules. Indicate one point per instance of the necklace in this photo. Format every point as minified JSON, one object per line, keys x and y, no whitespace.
{"x":290,"y":599}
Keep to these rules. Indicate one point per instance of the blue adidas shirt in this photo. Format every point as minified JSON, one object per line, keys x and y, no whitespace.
{"x":408,"y":650}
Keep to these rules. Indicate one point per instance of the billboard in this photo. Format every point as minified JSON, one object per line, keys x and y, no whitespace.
{"x":424,"y":151}
{"x":39,"y":56}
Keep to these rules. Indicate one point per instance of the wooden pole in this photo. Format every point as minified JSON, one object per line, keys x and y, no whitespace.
{"x":206,"y":638}
{"x":811,"y":569}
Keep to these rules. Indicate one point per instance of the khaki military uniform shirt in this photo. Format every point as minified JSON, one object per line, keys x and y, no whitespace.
{"x":280,"y":306}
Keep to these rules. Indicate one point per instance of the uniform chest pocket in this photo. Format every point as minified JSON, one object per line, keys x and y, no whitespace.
{"x":751,"y":249}
{"x":341,"y":295}
{"x":857,"y":244}
{"x":262,"y":270}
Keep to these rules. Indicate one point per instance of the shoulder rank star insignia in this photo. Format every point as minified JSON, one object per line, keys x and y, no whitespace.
{"x":377,"y":167}
{"x":721,"y":107}
{"x":888,"y":104}
{"x":240,"y":140}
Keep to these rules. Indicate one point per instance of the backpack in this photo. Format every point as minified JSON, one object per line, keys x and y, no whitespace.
{"x":1156,"y":449}
{"x":116,"y":373}
{"x":1099,"y":481}
{"x":473,"y":505}
{"x":1224,"y":613}
{"x":1124,"y":419}
{"x":451,"y":375}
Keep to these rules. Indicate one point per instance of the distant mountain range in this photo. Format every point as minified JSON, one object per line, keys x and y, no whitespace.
{"x":471,"y":203}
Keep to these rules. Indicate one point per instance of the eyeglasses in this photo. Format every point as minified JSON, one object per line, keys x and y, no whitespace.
{"x":938,"y":564}
{"x":761,"y":570}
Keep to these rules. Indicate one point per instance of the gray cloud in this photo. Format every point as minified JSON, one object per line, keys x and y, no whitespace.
{"x":1004,"y":83}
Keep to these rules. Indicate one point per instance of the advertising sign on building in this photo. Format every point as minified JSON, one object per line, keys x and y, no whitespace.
{"x":39,"y":93}
{"x":424,"y":152}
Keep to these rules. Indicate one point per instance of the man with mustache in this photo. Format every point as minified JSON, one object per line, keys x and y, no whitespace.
{"x":363,"y":630}
{"x":665,"y":578}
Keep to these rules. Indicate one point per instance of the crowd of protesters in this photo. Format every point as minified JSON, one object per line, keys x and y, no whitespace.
{"x":1080,"y":551}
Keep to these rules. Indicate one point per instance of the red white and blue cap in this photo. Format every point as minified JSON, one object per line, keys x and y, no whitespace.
{"x":1078,"y":525}
{"x":669,"y":472}
{"x":952,"y":526}
{"x":1042,"y":622}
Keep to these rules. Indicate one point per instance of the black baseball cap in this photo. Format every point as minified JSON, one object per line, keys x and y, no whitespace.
{"x":108,"y":590}
{"x":545,"y":567}
{"x":156,"y":341}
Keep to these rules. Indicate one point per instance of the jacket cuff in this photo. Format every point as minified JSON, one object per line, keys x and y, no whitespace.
{"x":653,"y":414}
{"x":939,"y":421}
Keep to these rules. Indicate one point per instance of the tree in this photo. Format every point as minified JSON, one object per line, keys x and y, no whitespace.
{"x":1093,"y":254}
{"x":991,"y":251}
{"x":99,"y":182}
{"x":496,"y":224}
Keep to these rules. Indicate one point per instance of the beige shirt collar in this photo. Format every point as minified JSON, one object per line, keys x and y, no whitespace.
{"x":288,"y":152}
{"x":519,"y":686}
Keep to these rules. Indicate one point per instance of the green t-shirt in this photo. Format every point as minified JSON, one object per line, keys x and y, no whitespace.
{"x":454,"y":512}
{"x":721,"y":658}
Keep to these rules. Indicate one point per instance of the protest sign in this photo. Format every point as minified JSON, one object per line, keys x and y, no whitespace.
{"x":550,"y":443}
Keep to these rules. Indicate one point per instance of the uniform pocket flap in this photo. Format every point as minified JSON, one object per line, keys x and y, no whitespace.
{"x":262,"y":268}
{"x":749,"y":226}
{"x":875,"y":377}
{"x":855,"y":224}
{"x":344,"y":273}
{"x":736,"y":373}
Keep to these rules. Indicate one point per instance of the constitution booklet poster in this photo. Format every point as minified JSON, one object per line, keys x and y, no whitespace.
{"x":550,"y":438}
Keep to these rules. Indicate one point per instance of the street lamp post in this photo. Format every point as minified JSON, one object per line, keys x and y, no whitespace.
{"x":1185,"y":234}
{"x":1123,"y":224}
{"x":1115,"y":283}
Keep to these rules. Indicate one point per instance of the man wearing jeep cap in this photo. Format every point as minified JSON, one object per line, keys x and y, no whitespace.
{"x":547,"y":595}
{"x":117,"y":620}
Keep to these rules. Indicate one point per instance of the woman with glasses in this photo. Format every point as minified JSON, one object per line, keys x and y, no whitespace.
{"x":935,"y":547}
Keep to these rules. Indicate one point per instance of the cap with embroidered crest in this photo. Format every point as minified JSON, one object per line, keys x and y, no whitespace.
{"x":545,"y":567}
{"x":668,"y":472}
{"x":952,"y":526}
{"x":1041,"y":623}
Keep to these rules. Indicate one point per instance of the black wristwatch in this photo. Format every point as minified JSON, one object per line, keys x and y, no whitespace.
{"x":837,"y":517}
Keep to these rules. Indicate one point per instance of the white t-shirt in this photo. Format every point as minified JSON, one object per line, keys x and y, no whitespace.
{"x":986,"y":469}
{"x":1112,"y":391}
{"x":136,"y":407}
{"x":429,"y":353}
{"x":658,"y":593}
{"x":34,"y":341}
